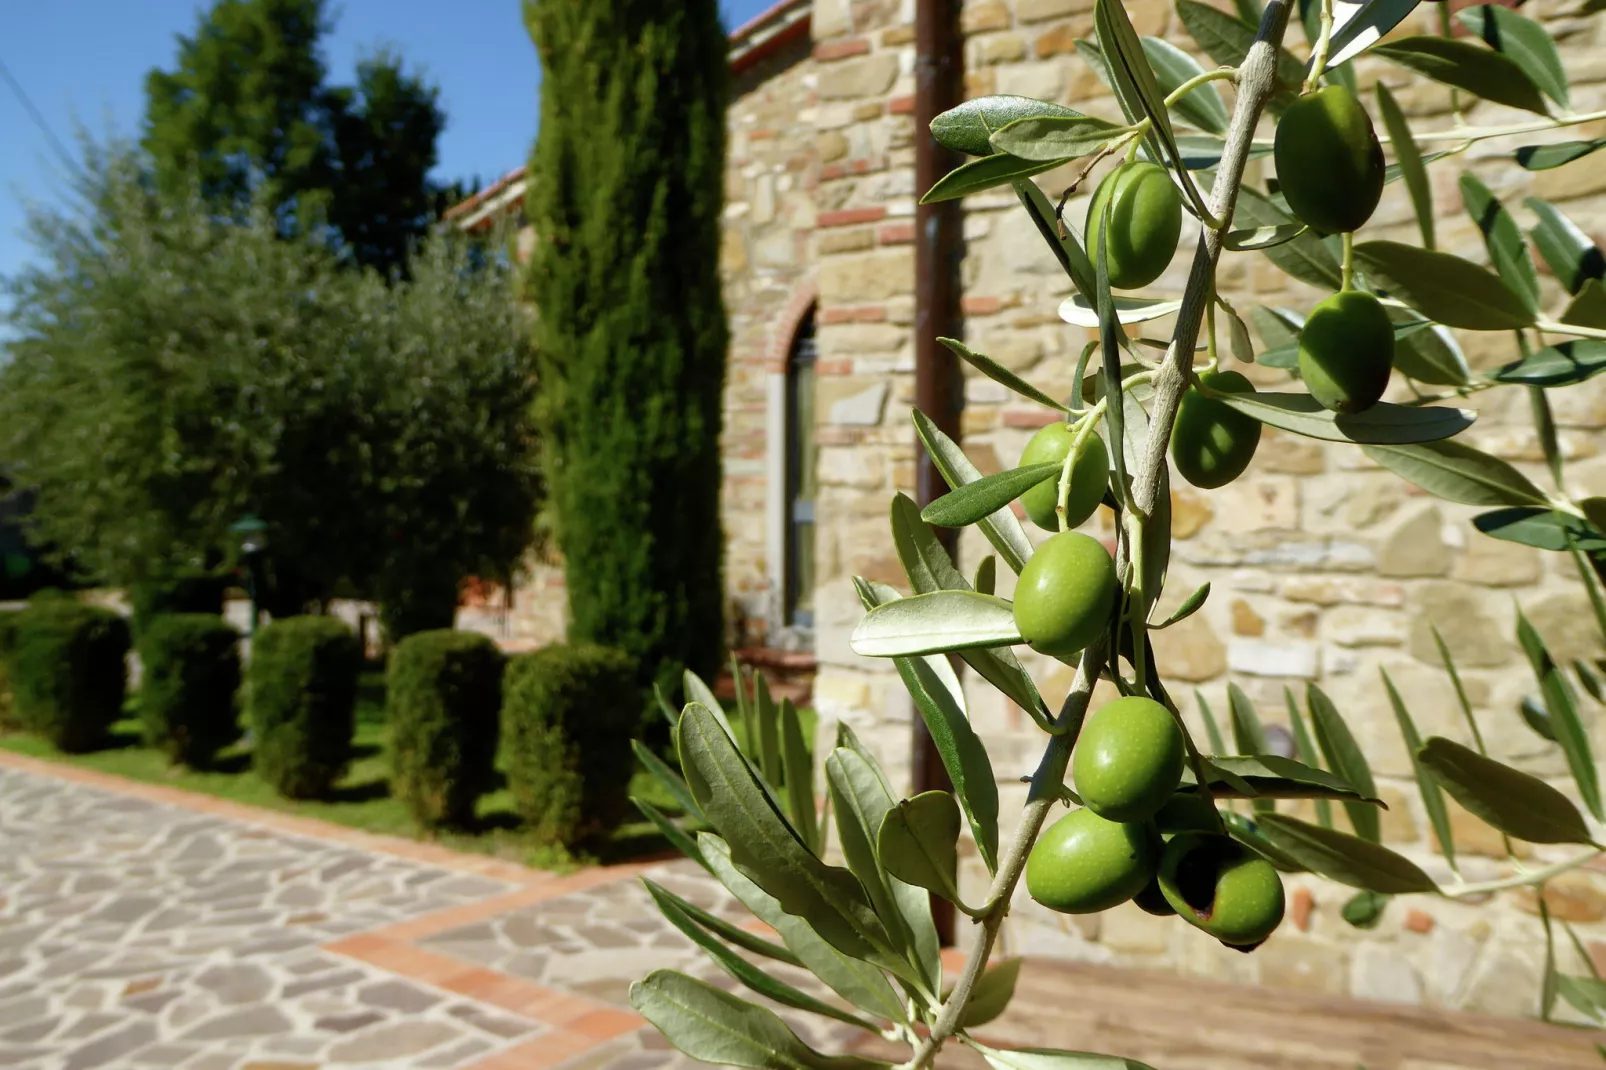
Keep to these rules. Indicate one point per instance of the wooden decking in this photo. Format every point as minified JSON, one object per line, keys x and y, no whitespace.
{"x":1176,"y":1023}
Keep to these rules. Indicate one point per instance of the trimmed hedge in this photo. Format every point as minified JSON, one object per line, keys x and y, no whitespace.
{"x":191,"y":673}
{"x":8,"y":638}
{"x":188,"y":594}
{"x":301,"y":690}
{"x":69,"y":672}
{"x":568,"y":715}
{"x":444,"y":701}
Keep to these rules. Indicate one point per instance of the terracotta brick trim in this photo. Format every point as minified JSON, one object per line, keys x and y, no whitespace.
{"x":805,"y":295}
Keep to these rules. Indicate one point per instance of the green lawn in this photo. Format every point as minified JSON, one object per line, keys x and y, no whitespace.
{"x":362,"y":799}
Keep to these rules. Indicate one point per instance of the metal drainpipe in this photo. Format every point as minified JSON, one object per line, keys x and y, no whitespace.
{"x":939,"y":389}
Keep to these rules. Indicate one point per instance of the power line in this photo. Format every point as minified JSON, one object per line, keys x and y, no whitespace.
{"x":38,"y":118}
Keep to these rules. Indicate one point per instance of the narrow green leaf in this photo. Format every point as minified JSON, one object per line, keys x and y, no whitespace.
{"x":671,"y":714}
{"x":1110,"y":337}
{"x":672,"y":832}
{"x":1409,"y":158}
{"x":1564,"y":718}
{"x":1534,"y":714}
{"x":924,"y":559}
{"x":1547,"y":987}
{"x":1480,"y":71}
{"x":1188,"y":608}
{"x":1172,"y":67}
{"x":1305,"y":747}
{"x":918,"y":843}
{"x":717,"y":1027}
{"x":968,"y":127}
{"x":1278,"y":327}
{"x":1524,"y":42}
{"x":1445,"y":288}
{"x":1508,"y":249}
{"x":699,"y":692}
{"x":1056,"y":137}
{"x":1588,"y":306}
{"x":1365,"y":909}
{"x":1545,"y":428}
{"x":1573,"y":258}
{"x":935,"y":623}
{"x":1002,"y":529}
{"x":1586,"y":574}
{"x":986,"y":575}
{"x":1427,"y":352}
{"x":1061,"y":241}
{"x":1130,"y":75}
{"x":1344,"y":757}
{"x":1226,"y":40}
{"x":1382,"y":424}
{"x":1000,"y":374}
{"x":1247,"y":732}
{"x":1587,"y":995}
{"x":1344,"y":858}
{"x":1460,"y":691}
{"x":728,"y":931}
{"x":797,"y":766}
{"x":985,"y":174}
{"x":1432,"y":795}
{"x":1257,"y":238}
{"x":854,"y":979}
{"x":1545,"y":157}
{"x":975,"y":501}
{"x":1512,"y":801}
{"x":678,"y":912}
{"x":990,"y":995}
{"x":1271,"y":776}
{"x":1458,"y":473}
{"x":769,"y":732}
{"x":1212,"y":730}
{"x":1540,"y":528}
{"x":1051,"y":1059}
{"x":765,"y":847}
{"x":1249,"y":11}
{"x":671,"y":780}
{"x":1304,"y":256}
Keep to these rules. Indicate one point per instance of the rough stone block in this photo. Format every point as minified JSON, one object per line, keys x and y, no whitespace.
{"x":866,"y":76}
{"x":1258,"y":657}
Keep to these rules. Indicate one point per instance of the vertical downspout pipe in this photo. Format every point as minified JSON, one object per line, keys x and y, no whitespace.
{"x":939,"y":388}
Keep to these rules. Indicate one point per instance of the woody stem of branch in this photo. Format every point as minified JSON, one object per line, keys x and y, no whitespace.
{"x":1256,"y":81}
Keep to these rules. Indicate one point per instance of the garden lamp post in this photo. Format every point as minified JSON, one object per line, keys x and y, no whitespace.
{"x":253,"y":535}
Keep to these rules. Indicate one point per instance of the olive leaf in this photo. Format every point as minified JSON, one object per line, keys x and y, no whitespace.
{"x":1061,"y":240}
{"x":1427,"y":352}
{"x":1271,"y":776}
{"x":1356,"y":30}
{"x":1480,"y":71}
{"x":1002,"y":529}
{"x":1458,"y":473}
{"x":680,"y":915}
{"x":1056,"y":137}
{"x":1248,"y":833}
{"x":1588,"y":306}
{"x":1304,"y":256}
{"x":1559,"y":701}
{"x":1345,"y":758}
{"x":1256,"y":238}
{"x":769,"y":734}
{"x":1076,"y":310}
{"x":1201,"y":106}
{"x":984,"y":174}
{"x":677,"y":837}
{"x":1409,"y":159}
{"x":1572,"y":257}
{"x":1524,"y":42}
{"x":695,"y":690}
{"x":1188,"y":608}
{"x":1382,"y":424}
{"x":1541,"y":528}
{"x":1227,"y":40}
{"x":672,"y":781}
{"x":727,"y":931}
{"x":1344,"y":858}
{"x":1512,"y":801}
{"x":1305,"y":748}
{"x":974,"y":501}
{"x":935,"y":623}
{"x":1427,"y":786}
{"x":968,"y":127}
{"x":1508,"y":249}
{"x":1000,"y":374}
{"x":990,"y":995}
{"x":717,"y":1027}
{"x":986,"y":575}
{"x":854,"y":979}
{"x":1053,"y":1059}
{"x":1445,"y":288}
{"x":797,"y":770}
{"x":1545,"y":157}
{"x":918,"y":843}
{"x":1130,"y":74}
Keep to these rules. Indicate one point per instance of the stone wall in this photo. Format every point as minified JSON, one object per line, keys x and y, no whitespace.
{"x":1323,"y":567}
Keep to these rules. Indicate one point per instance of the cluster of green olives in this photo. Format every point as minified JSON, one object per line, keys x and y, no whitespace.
{"x":1330,"y":166}
{"x":1136,"y":837}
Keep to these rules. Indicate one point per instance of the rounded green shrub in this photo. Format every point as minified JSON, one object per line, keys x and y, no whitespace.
{"x":8,"y":638}
{"x":301,"y":696}
{"x":186,"y":594}
{"x":1090,"y":472}
{"x":69,"y":674}
{"x":1145,"y":223}
{"x":1329,"y":161}
{"x":190,"y":666}
{"x":568,"y":715}
{"x":443,"y":698}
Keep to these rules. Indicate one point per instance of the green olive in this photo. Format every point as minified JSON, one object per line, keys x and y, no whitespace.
{"x":1145,"y":223}
{"x":1152,"y":900}
{"x":1211,"y":442}
{"x":1128,"y":759}
{"x":1065,"y":595}
{"x":1329,"y":161}
{"x":1089,"y":474}
{"x":1084,"y":864}
{"x":1186,"y":811}
{"x":1222,"y":887}
{"x":1346,"y":351}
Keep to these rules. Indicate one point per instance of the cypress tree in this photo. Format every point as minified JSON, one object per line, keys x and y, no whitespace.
{"x":626,"y":191}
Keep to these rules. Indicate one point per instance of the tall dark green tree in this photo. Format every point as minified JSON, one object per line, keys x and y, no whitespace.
{"x":248,"y":106}
{"x":626,"y":193}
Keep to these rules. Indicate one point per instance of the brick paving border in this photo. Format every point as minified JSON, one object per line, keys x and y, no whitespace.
{"x":574,"y":1025}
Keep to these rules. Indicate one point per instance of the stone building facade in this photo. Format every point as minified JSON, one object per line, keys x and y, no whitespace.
{"x":1324,"y":568}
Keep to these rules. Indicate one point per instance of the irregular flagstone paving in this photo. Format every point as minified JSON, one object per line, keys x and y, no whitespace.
{"x":138,"y":934}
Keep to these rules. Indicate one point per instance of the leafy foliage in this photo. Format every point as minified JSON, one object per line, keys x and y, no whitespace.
{"x":67,"y":671}
{"x":443,"y":699}
{"x":190,"y":676}
{"x":631,"y":337}
{"x":301,"y":691}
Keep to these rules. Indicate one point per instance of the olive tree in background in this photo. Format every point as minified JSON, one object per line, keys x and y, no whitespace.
{"x":626,"y":190}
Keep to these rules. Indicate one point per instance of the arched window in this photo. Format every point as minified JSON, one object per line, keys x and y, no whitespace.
{"x":797,"y":596}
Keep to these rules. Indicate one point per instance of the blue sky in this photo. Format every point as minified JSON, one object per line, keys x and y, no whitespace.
{"x":83,"y":63}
